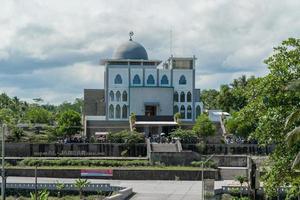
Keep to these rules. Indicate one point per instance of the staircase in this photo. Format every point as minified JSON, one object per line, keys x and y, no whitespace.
{"x":164,"y":148}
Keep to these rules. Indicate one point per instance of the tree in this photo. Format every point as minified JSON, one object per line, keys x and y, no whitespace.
{"x":80,"y":184}
{"x":69,"y":123}
{"x":209,"y":98}
{"x":268,"y":106}
{"x":241,"y":180}
{"x":128,"y":137}
{"x":185,"y":136}
{"x":59,"y":187}
{"x":204,"y":127}
{"x":38,"y":115}
{"x":293,"y":137}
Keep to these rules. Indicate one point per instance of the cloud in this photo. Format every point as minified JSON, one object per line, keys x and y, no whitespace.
{"x":54,"y":47}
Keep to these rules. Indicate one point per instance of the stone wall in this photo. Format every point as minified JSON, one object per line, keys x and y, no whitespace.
{"x":76,"y":150}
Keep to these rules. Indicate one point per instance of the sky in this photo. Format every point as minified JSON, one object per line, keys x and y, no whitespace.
{"x":51,"y":49}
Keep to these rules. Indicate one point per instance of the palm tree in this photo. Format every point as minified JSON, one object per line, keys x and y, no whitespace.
{"x":59,"y":187}
{"x":80,"y":184}
{"x":241,"y":179}
{"x":293,"y":137}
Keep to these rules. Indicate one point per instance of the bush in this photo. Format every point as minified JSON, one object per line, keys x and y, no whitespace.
{"x":209,"y":164}
{"x":92,"y":163}
{"x":204,"y":126}
{"x":128,"y":137}
{"x":185,"y":136}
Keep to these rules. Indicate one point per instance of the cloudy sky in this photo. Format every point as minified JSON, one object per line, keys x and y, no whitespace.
{"x":51,"y":48}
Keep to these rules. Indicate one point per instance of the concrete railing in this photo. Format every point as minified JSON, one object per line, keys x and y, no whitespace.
{"x":122,"y":195}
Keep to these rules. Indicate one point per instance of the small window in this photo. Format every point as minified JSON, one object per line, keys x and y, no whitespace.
{"x":189,"y":97}
{"x":150,"y":80}
{"x":124,"y":96}
{"x":182,"y":97}
{"x":164,"y":80}
{"x":111,"y":111}
{"x":111,"y":96}
{"x":189,"y":112}
{"x":118,"y":96}
{"x":176,"y":109}
{"x":182,"y":80}
{"x":124,"y":112}
{"x":198,"y":111}
{"x":118,"y":79}
{"x":118,"y":112}
{"x":176,"y":97}
{"x":136,"y":80}
{"x":182,"y":112}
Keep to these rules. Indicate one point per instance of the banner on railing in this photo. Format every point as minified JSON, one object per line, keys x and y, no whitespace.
{"x":96,"y":172}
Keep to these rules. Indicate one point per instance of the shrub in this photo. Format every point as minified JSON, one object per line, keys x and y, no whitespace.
{"x":204,"y":126}
{"x":185,"y":136}
{"x":73,"y":162}
{"x":128,"y":137}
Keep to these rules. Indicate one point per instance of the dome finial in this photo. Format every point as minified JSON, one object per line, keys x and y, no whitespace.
{"x":130,"y":35}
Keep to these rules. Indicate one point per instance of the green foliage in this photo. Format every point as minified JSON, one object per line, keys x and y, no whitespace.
{"x":42,"y":195}
{"x":209,"y":164}
{"x":128,"y":137}
{"x":75,"y":106}
{"x":185,"y":136}
{"x":80,"y":184}
{"x":38,"y":115}
{"x":69,"y":123}
{"x":204,"y":127}
{"x":79,"y":162}
{"x":269,"y":103}
{"x":238,"y":126}
{"x":209,"y":98}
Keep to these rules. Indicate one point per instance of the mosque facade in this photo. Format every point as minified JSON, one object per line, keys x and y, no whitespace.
{"x":151,"y":89}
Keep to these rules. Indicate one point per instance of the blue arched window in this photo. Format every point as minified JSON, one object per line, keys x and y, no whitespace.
{"x":118,"y":79}
{"x":136,"y":80}
{"x":182,"y":80}
{"x":164,"y":80}
{"x":150,"y":80}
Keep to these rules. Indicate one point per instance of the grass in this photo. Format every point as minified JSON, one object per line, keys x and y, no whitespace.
{"x":91,"y":197}
{"x":189,"y":168}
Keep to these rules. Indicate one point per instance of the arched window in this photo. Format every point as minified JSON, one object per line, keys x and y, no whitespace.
{"x":124,"y":96}
{"x":176,"y":109}
{"x":176,"y":97}
{"x":118,"y":79}
{"x":189,"y":112}
{"x":182,"y":97}
{"x":189,"y":97}
{"x":136,"y":80}
{"x":124,"y":112}
{"x":150,"y":80}
{"x":164,"y":80}
{"x":198,"y":111}
{"x":118,"y":112}
{"x":111,"y":111}
{"x":118,"y":96}
{"x":182,"y":112}
{"x":182,"y":80}
{"x":111,"y":96}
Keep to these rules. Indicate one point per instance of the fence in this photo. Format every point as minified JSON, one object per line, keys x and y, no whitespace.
{"x":75,"y":149}
{"x":228,"y":149}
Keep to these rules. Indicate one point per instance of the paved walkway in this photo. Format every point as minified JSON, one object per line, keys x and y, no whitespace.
{"x":145,"y":190}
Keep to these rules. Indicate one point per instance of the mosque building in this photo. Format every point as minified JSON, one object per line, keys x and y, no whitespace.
{"x":151,"y":89}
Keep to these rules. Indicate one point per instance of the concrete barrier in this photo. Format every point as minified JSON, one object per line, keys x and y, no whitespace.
{"x":122,"y":195}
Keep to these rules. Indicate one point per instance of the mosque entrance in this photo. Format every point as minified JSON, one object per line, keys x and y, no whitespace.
{"x":150,"y":111}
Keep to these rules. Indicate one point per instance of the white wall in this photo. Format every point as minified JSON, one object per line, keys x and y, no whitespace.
{"x":139,"y":96}
{"x":138,"y":71}
{"x":163,"y":72}
{"x":153,"y":72}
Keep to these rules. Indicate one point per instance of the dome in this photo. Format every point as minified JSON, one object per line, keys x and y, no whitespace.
{"x":130,"y":50}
